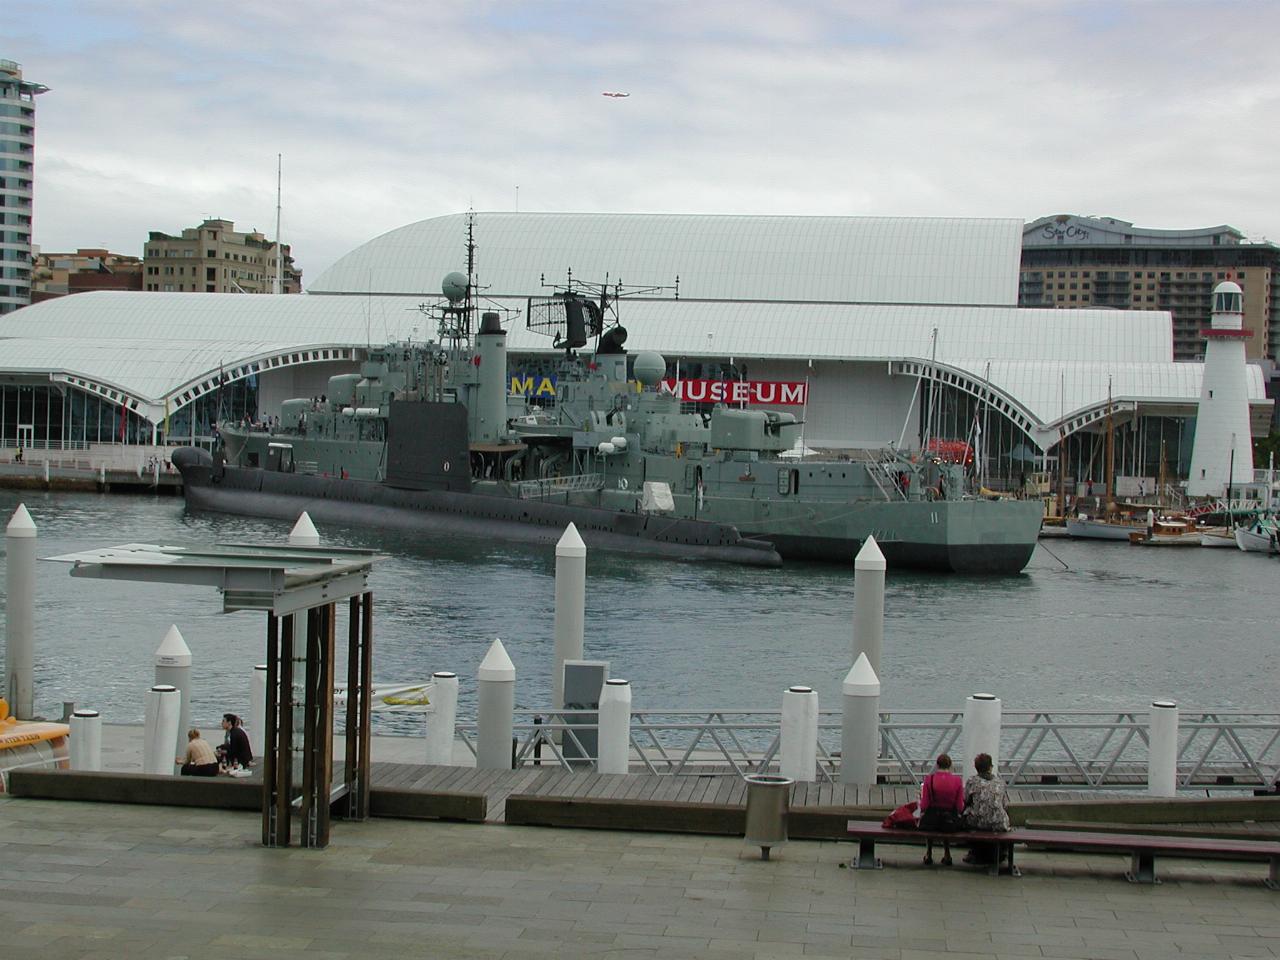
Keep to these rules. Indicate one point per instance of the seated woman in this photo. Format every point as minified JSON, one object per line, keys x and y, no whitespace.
{"x":985,"y":802}
{"x":199,"y":760}
{"x":941,"y":803}
{"x":234,"y":750}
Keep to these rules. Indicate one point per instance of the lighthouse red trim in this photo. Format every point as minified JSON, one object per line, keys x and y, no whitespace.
{"x":1210,"y":333}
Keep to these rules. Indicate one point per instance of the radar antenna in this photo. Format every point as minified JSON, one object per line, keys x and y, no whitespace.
{"x":578,"y":310}
{"x":454,"y":317}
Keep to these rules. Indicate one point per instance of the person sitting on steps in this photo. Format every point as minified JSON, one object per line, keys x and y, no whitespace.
{"x":200,"y":760}
{"x":234,"y":750}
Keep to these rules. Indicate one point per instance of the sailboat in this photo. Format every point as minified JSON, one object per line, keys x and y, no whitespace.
{"x":1110,"y":526}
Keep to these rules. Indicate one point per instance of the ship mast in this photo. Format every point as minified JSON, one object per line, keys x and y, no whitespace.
{"x":1111,"y":461}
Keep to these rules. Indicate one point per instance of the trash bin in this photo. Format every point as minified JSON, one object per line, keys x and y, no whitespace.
{"x":768,"y":800}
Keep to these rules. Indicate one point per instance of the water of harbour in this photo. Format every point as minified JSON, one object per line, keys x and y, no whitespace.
{"x":1108,"y":628}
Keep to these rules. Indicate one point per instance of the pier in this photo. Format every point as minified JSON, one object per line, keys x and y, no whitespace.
{"x":102,"y":468}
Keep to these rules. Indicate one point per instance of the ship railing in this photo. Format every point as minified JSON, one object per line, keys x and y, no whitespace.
{"x":558,"y":486}
{"x":1064,"y":749}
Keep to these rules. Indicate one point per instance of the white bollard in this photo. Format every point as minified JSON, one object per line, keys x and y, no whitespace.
{"x":798,"y":750}
{"x":860,"y":729}
{"x":258,"y":710}
{"x":1162,"y":759}
{"x":443,"y":719}
{"x":982,"y":720}
{"x":164,"y":703}
{"x":20,"y":614}
{"x":868,"y":604}
{"x":571,"y":601}
{"x":304,"y":532}
{"x":496,"y":707}
{"x":173,"y":667}
{"x":615,"y":727}
{"x":86,"y":740}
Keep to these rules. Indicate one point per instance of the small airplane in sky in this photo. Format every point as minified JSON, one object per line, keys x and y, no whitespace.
{"x":610,"y":94}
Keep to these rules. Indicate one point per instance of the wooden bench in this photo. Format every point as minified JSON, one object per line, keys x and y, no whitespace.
{"x":1141,"y":848}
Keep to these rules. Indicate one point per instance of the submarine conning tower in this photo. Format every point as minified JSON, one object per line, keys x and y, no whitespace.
{"x":489,"y":414}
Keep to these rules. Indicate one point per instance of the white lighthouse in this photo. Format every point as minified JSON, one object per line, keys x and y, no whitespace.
{"x":1223,"y":450}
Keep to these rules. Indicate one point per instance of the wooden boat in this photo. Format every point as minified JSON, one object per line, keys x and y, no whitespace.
{"x":1167,"y":532}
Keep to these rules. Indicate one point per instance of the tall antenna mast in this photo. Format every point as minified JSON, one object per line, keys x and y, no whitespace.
{"x":277,"y":286}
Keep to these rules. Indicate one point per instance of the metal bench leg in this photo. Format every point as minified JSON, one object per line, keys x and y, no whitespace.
{"x":1007,"y":851}
{"x":866,"y":858}
{"x":1273,"y":878}
{"x":1142,"y":868}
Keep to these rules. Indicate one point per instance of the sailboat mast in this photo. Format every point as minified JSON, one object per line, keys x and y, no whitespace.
{"x":1109,"y":483}
{"x":277,"y":286}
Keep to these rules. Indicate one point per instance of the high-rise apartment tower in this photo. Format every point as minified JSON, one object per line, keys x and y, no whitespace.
{"x":17,"y":171}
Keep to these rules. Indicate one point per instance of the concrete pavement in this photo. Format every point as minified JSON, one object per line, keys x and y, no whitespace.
{"x":103,"y":881}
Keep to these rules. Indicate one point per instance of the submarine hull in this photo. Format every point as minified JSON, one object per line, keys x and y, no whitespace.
{"x":264,"y":493}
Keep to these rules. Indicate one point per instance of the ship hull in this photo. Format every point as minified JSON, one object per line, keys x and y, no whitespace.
{"x":262,"y":493}
{"x":969,"y":536}
{"x":954,"y":536}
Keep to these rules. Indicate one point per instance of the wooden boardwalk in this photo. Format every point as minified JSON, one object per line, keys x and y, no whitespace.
{"x":711,"y":789}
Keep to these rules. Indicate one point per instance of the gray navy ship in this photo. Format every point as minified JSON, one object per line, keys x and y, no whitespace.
{"x":429,"y":435}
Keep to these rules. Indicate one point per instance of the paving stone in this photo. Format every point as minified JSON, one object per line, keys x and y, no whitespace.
{"x":87,"y":881}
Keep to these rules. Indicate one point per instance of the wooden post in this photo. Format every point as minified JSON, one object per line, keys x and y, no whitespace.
{"x":311,"y":690}
{"x":350,"y":771}
{"x":366,"y":697}
{"x":284,"y":739}
{"x":270,"y":732}
{"x":324,"y":735}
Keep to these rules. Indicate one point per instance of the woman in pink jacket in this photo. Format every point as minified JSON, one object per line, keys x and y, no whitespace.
{"x":941,"y":803}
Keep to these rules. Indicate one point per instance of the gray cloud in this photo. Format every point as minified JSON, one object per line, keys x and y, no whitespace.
{"x":389,"y":112}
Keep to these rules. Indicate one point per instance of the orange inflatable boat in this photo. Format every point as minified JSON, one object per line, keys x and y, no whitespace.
{"x":30,"y":745}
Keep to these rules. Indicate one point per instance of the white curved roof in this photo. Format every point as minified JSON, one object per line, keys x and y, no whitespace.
{"x":162,"y":348}
{"x":844,"y":259}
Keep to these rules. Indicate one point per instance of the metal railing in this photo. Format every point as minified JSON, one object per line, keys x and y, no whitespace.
{"x":1063,"y":749}
{"x":552,"y":486}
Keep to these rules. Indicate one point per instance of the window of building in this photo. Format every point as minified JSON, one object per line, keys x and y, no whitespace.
{"x":1073,"y":296}
{"x":1085,"y":286}
{"x":1222,"y":276}
{"x":208,"y":288}
{"x":1073,"y":274}
{"x":211,"y":253}
{"x":1206,"y":277}
{"x":1073,"y":286}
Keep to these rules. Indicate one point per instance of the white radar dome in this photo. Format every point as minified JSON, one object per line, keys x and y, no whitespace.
{"x":454,"y":286}
{"x":650,"y":368}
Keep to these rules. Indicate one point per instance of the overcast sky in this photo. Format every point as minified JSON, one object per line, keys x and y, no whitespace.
{"x":391,"y":111}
